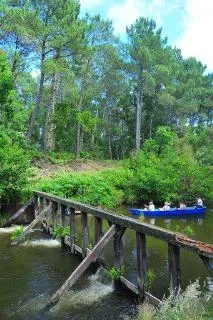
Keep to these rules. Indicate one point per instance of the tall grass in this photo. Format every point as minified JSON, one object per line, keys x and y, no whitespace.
{"x":192,"y":304}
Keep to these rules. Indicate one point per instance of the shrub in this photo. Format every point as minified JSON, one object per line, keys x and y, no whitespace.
{"x":14,"y":166}
{"x":17,"y":233}
{"x":189,"y":305}
{"x":61,"y":231}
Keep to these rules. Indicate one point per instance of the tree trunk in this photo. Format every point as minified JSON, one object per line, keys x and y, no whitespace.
{"x":139,"y":106}
{"x":38,"y":98}
{"x":109,"y":135}
{"x":49,"y":142}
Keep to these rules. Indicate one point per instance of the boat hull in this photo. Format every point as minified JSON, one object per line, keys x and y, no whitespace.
{"x":173,"y":212}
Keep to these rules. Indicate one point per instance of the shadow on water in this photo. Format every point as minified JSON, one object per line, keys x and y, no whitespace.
{"x":31,"y":272}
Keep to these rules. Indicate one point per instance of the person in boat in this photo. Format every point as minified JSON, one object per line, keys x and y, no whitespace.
{"x":182,"y":206}
{"x":199,"y":202}
{"x":166,"y":206}
{"x":151,"y":206}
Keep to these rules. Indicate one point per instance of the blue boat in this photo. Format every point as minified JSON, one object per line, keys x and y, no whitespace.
{"x":173,"y":212}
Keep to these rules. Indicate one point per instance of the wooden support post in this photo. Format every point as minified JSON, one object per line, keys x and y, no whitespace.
{"x":54,"y":214}
{"x":174,"y":267}
{"x":118,"y":251}
{"x":19,"y":212}
{"x":36,"y":206}
{"x":63,"y":213}
{"x":141,"y":264}
{"x":85,"y":233}
{"x":32,"y":224}
{"x":98,"y":229}
{"x":81,"y":268}
{"x":73,"y":230}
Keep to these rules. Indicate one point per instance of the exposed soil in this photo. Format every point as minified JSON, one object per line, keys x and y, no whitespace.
{"x":46,"y":168}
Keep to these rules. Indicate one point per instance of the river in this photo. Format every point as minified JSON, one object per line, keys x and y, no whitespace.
{"x":31,"y":272}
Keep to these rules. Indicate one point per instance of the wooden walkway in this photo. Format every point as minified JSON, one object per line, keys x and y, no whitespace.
{"x":55,"y":210}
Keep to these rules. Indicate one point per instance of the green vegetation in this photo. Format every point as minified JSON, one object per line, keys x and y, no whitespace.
{"x":150,"y":278}
{"x":187,"y":230}
{"x":61,"y":231}
{"x":104,"y":188}
{"x":190,"y":305}
{"x":17,"y":233}
{"x":115,"y":273}
{"x":150,"y":106}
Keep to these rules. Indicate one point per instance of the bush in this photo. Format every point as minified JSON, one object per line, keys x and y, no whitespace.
{"x":190,"y":305}
{"x":14,"y":166}
{"x":97,"y":189}
{"x":167,"y":175}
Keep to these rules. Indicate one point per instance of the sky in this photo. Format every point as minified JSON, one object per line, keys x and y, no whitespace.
{"x":188,"y":24}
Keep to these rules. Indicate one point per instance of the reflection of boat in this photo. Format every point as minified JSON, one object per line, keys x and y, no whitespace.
{"x":173,"y":212}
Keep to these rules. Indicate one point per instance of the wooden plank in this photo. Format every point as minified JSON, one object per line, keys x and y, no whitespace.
{"x":174,"y":267}
{"x":131,"y":223}
{"x":98,"y":229}
{"x":118,"y":247}
{"x":81,"y":268}
{"x":141,"y":264}
{"x":85,"y":233}
{"x":19,"y":212}
{"x":32,"y":224}
{"x":73,"y":230}
{"x":148,"y":296}
{"x":118,"y":252}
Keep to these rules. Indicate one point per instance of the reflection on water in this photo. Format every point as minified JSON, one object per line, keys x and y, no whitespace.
{"x":41,"y":243}
{"x":32,"y":272}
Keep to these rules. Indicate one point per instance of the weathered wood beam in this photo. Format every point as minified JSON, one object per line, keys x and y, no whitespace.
{"x":19,"y":212}
{"x":81,"y":268}
{"x":174,"y":268}
{"x":141,"y":264}
{"x":118,"y":247}
{"x":98,"y":229}
{"x":131,"y":223}
{"x":32,"y":224}
{"x":73,"y":230}
{"x":85,"y":233}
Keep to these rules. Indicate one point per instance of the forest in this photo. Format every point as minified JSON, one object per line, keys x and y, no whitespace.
{"x":70,"y":89}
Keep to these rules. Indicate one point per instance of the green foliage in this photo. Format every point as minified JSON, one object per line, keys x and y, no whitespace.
{"x":190,"y":304}
{"x":17,"y":233}
{"x":115,"y":273}
{"x":61,"y":231}
{"x":103,"y":189}
{"x":61,"y":158}
{"x":150,"y":278}
{"x":14,"y":166}
{"x":162,"y":173}
{"x":187,"y":230}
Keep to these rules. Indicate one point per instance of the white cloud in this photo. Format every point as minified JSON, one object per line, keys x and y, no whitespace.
{"x":35,"y":73}
{"x":90,"y":3}
{"x":196,"y":39}
{"x":125,"y":13}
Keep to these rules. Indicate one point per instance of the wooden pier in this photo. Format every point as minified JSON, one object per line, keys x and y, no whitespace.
{"x":52,"y":210}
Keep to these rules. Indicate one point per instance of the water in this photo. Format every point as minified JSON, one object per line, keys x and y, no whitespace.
{"x":31,"y":272}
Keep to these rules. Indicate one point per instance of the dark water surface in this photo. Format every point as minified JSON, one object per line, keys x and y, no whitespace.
{"x":31,"y":272}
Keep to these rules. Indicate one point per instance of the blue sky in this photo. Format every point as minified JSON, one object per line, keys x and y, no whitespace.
{"x":188,"y":24}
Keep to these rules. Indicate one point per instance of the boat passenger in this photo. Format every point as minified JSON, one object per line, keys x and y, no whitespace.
{"x":166,"y":206}
{"x":151,"y":206}
{"x":199,"y":203}
{"x":182,"y":206}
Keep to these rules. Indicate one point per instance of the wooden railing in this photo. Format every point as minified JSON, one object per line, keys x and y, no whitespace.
{"x":64,"y":211}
